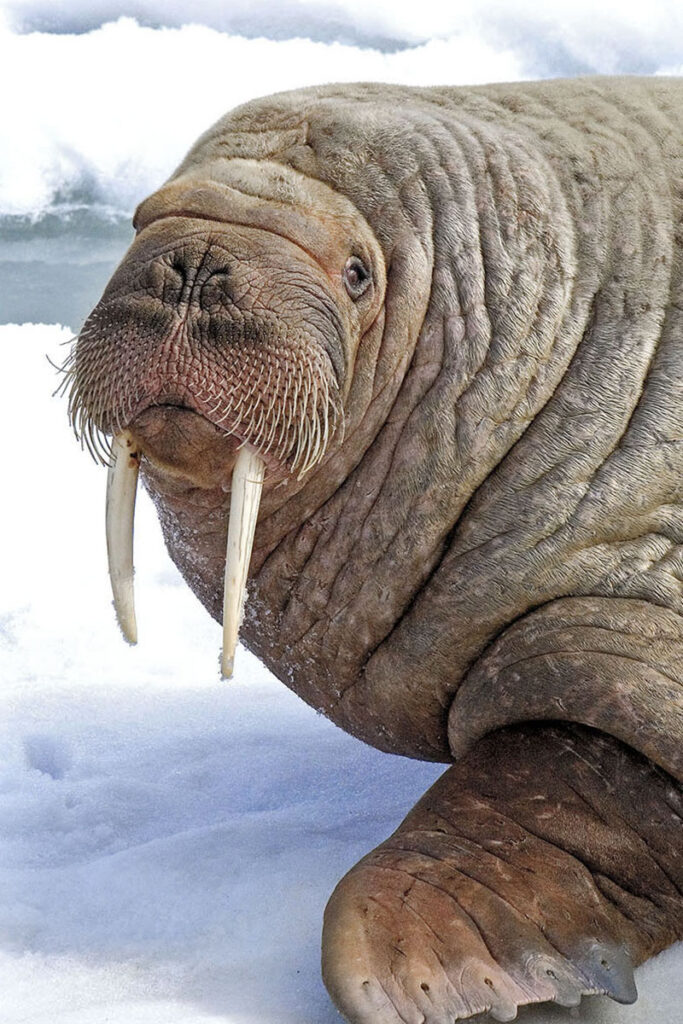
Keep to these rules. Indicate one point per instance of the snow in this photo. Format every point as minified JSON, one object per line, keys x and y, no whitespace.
{"x":620,"y":30}
{"x":167,"y":841}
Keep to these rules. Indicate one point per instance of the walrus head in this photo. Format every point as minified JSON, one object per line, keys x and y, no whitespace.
{"x":223,"y":349}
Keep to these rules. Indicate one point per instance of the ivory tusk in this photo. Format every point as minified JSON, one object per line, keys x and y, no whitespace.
{"x":247,"y":483}
{"x":122,"y":482}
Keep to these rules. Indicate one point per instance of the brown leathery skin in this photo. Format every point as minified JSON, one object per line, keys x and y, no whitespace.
{"x":511,"y":385}
{"x":612,"y":663}
{"x":518,"y":436}
{"x":543,"y":866}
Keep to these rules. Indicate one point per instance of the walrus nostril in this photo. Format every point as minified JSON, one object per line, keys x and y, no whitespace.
{"x":186,"y":277}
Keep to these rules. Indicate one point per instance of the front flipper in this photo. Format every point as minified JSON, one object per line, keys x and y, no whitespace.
{"x":541,"y":867}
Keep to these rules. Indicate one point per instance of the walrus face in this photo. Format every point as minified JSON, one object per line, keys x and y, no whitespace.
{"x":224,"y":346}
{"x":240,"y":329}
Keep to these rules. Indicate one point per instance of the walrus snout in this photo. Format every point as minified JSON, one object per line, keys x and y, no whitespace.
{"x":238,"y":326}
{"x":189,"y":276}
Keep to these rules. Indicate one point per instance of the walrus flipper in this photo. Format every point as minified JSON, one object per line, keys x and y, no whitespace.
{"x":518,"y":878}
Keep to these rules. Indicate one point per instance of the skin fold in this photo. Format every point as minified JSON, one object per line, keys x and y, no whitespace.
{"x":487,"y":527}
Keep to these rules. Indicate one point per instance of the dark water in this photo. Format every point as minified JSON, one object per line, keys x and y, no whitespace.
{"x":54,"y":270}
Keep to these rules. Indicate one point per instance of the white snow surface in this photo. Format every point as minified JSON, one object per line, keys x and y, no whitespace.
{"x":167,"y":841}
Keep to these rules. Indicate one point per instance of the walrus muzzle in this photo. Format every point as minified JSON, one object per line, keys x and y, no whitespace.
{"x":192,"y":361}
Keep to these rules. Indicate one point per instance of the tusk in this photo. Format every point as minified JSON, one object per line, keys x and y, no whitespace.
{"x":247,"y":482}
{"x":122,"y":482}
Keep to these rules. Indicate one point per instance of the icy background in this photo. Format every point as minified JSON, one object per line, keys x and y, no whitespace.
{"x":167,"y":841}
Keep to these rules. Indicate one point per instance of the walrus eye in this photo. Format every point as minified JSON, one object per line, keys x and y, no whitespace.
{"x":356,"y":277}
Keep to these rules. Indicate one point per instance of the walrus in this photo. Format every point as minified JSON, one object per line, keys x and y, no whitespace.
{"x":427,"y":345}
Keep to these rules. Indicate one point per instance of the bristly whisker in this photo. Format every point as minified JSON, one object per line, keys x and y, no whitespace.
{"x":66,"y":369}
{"x":282,"y":400}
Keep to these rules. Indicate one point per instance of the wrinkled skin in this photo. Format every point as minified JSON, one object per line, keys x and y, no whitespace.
{"x":491,"y":531}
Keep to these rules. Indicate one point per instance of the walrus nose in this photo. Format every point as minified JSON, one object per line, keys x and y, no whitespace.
{"x":187,"y":277}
